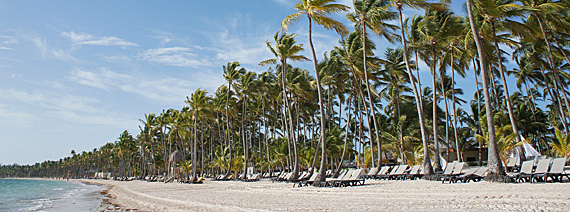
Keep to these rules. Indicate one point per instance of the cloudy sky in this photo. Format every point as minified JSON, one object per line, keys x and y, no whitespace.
{"x":75,"y":74}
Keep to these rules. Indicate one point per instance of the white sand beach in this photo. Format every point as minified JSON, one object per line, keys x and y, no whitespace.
{"x":375,"y":195}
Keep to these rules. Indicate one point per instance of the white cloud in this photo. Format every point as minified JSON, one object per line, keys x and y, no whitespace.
{"x":175,"y":56}
{"x":7,"y":41}
{"x":58,"y":107}
{"x":87,"y":39}
{"x":163,"y":90}
{"x":13,"y":117}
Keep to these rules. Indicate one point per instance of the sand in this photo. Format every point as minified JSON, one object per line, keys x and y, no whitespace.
{"x":375,"y":195}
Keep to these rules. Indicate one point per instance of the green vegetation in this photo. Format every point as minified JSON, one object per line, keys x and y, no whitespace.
{"x":361,"y":107}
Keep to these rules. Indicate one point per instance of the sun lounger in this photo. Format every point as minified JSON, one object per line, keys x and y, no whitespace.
{"x":353,"y":180}
{"x":383,"y":171}
{"x":539,"y":174}
{"x":308,"y":181}
{"x":372,"y":173}
{"x":556,"y":172}
{"x":526,"y":172}
{"x":384,"y":176}
{"x":457,"y":169}
{"x":448,"y":170}
{"x":340,"y":181}
{"x":253,"y":178}
{"x":414,"y":173}
{"x":512,"y":164}
{"x":400,"y":172}
{"x":464,"y":176}
{"x":332,"y":181}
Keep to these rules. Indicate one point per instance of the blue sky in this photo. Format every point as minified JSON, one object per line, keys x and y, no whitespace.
{"x":75,"y":74}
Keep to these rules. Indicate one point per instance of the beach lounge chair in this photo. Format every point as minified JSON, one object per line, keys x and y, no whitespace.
{"x":386,"y":175}
{"x":511,"y":164}
{"x":253,"y":178}
{"x":382,"y":172}
{"x":478,"y":175}
{"x":354,"y":179}
{"x":464,"y":176}
{"x":372,"y":173}
{"x":398,"y":173}
{"x":457,"y":169}
{"x":307,"y":181}
{"x":332,"y":181}
{"x":539,"y":174}
{"x":300,"y":178}
{"x":525,"y":173}
{"x":414,"y":173}
{"x":339,"y":182}
{"x":448,"y":170}
{"x":556,"y":172}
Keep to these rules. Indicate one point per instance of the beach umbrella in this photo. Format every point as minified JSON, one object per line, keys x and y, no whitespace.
{"x":175,"y":157}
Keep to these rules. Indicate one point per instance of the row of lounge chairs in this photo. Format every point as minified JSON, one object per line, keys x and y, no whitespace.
{"x":399,"y":172}
{"x":545,"y":168}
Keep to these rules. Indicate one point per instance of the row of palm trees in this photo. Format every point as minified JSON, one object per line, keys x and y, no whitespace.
{"x":370,"y":108}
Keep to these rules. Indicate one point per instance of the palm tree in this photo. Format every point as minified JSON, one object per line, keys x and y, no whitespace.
{"x":246,"y":85}
{"x":415,"y":4}
{"x":317,"y":10}
{"x":500,"y":13}
{"x":232,"y":72}
{"x":542,"y":11}
{"x":394,"y":75}
{"x":435,"y":29}
{"x":198,"y":103}
{"x":373,"y":14}
{"x":494,"y":161}
{"x":286,"y":48}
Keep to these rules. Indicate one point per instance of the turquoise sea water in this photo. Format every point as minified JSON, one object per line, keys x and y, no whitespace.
{"x":48,"y":195}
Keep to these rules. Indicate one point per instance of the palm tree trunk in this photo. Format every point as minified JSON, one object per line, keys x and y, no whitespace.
{"x":345,"y":141}
{"x":437,"y":164}
{"x":322,"y":169}
{"x":229,"y":140}
{"x":194,"y":146}
{"x":453,"y":104}
{"x":427,"y":165}
{"x":475,"y":68}
{"x":370,"y":98}
{"x":506,"y":87}
{"x":496,"y":168}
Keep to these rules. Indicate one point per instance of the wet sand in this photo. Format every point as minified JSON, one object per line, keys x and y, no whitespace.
{"x":375,"y":195}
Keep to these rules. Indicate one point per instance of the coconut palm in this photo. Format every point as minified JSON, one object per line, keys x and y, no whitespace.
{"x":232,"y":72}
{"x":198,"y":103}
{"x":494,"y":161}
{"x":500,"y":13}
{"x":317,"y":11}
{"x":435,"y":29}
{"x":399,"y":6}
{"x":285,"y":49}
{"x":541,"y":12}
{"x":373,"y":14}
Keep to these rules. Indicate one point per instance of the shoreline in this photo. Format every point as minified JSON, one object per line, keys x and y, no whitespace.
{"x":375,"y":195}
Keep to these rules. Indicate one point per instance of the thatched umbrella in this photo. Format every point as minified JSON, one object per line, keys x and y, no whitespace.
{"x":175,"y":157}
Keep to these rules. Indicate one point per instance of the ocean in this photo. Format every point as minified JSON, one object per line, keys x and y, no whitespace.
{"x":49,"y":195}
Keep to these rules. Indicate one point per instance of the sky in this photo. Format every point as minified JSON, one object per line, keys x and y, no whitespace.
{"x":75,"y":74}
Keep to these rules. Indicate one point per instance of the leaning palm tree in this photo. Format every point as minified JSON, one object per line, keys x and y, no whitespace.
{"x":501,"y":14}
{"x":372,"y":14}
{"x":286,"y":48}
{"x":232,"y":72}
{"x":494,"y":160}
{"x":317,"y":10}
